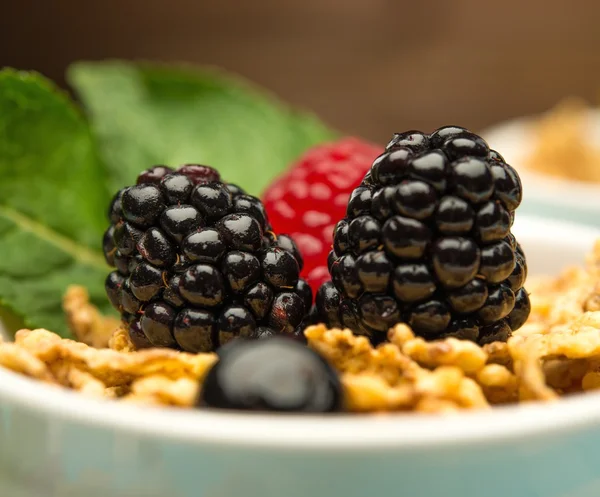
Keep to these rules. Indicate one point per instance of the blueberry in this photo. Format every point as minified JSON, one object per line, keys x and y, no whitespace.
{"x":273,"y":374}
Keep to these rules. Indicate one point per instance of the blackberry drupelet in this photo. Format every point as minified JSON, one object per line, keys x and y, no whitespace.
{"x":426,"y":240}
{"x":197,"y":264}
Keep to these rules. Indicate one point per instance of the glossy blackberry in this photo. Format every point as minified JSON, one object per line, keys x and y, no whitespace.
{"x":146,"y":281}
{"x":108,"y":245}
{"x":197,"y":264}
{"x":271,"y":374}
{"x":194,"y":330}
{"x":200,"y":174}
{"x":142,"y":204}
{"x":212,"y":200}
{"x":427,"y":240}
{"x":153,"y":175}
{"x":155,"y":247}
{"x":287,"y":312}
{"x":137,"y":335}
{"x":254,"y":207}
{"x":157,"y":324}
{"x":205,"y":245}
{"x":241,"y":270}
{"x":235,"y":321}
{"x":176,"y":188}
{"x":179,"y":220}
{"x":280,"y":268}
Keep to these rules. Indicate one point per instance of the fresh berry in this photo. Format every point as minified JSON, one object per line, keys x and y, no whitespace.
{"x":313,"y":195}
{"x":153,"y":175}
{"x":271,"y":374}
{"x":198,"y":265}
{"x":426,"y":240}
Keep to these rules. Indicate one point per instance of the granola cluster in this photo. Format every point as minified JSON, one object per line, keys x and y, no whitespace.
{"x":556,"y":353}
{"x":561,"y":139}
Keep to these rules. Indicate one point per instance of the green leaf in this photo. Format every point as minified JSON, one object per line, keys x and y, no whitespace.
{"x":149,"y":114}
{"x":53,"y":202}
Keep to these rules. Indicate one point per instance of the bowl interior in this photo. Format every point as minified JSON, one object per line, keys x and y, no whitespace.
{"x":549,"y":246}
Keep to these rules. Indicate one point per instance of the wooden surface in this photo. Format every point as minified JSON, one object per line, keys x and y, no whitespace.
{"x":367,"y":66}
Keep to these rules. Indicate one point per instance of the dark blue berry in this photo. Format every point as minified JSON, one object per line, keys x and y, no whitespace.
{"x":273,"y":374}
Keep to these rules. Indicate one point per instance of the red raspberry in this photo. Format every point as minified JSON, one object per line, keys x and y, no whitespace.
{"x":311,"y":197}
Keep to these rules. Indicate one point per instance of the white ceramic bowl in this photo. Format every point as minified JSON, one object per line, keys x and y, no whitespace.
{"x":543,"y":194}
{"x":55,"y":443}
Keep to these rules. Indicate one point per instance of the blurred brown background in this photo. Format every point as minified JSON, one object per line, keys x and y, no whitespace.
{"x":369,"y":67}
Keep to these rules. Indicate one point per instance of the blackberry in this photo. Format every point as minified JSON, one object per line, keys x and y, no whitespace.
{"x":197,"y":264}
{"x":427,"y":240}
{"x":271,"y":374}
